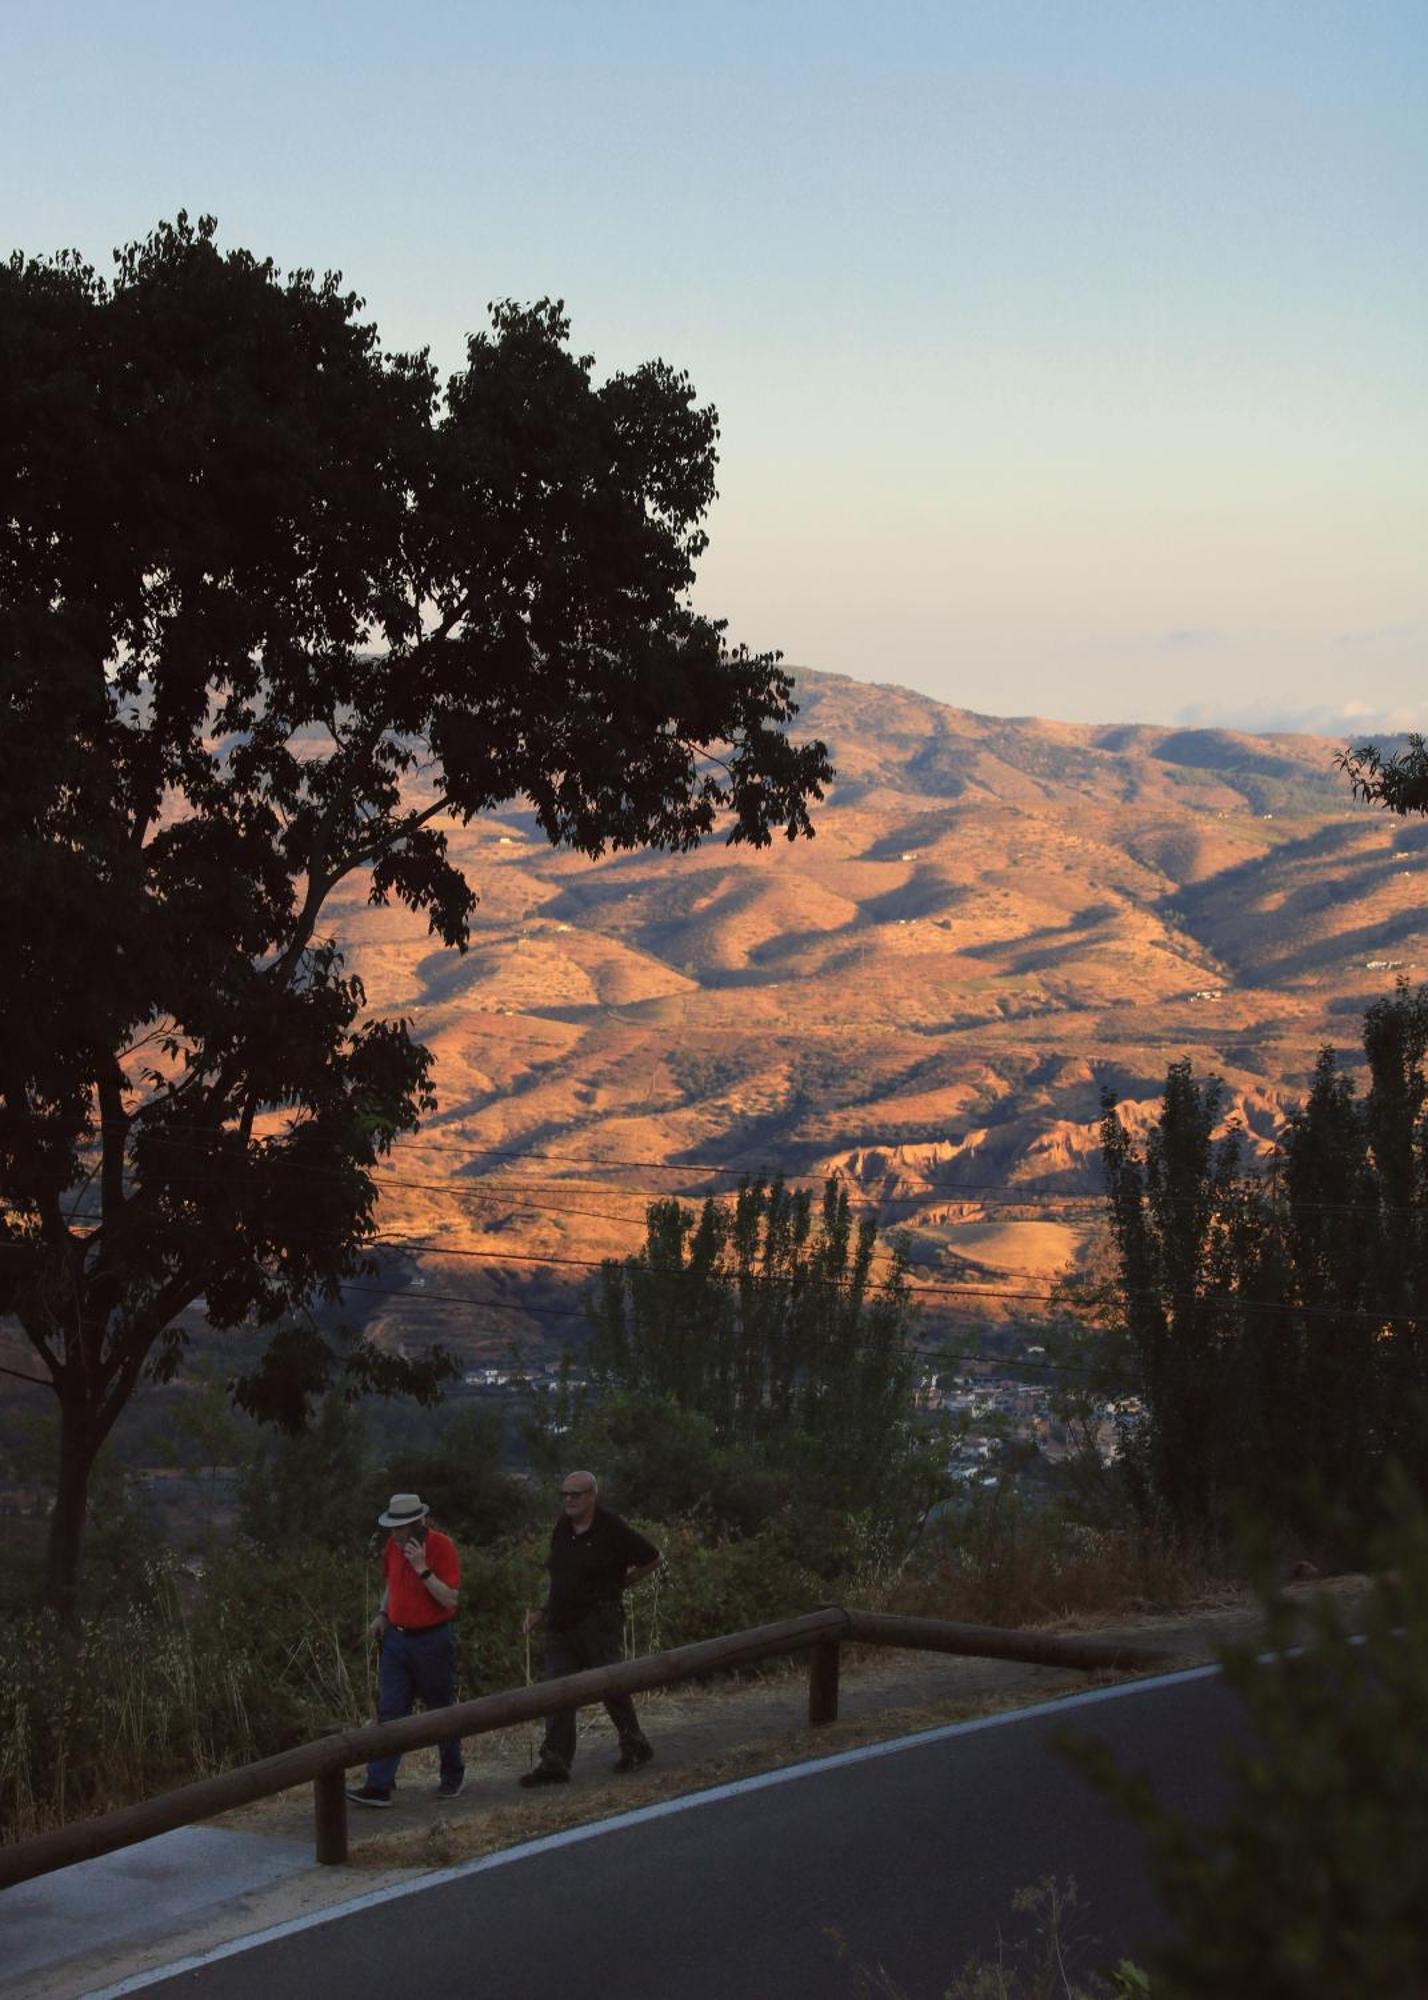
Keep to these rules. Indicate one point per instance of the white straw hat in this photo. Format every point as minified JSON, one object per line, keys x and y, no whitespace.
{"x":402,"y":1510}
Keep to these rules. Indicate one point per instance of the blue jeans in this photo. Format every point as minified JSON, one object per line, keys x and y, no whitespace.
{"x":416,"y":1666}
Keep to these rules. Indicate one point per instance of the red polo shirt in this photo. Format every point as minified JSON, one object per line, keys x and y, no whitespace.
{"x":409,"y":1602}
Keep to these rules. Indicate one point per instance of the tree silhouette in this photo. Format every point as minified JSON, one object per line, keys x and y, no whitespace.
{"x":766,"y":1316}
{"x":1276,"y":1324}
{"x":276,"y":611}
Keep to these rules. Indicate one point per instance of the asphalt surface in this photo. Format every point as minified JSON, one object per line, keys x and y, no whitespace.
{"x":912,"y":1852}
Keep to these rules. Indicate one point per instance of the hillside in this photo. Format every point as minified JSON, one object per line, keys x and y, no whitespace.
{"x":997,"y":920}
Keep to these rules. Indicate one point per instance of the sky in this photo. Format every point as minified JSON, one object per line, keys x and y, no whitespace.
{"x":1071,"y":358}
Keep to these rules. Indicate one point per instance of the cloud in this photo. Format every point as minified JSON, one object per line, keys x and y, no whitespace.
{"x":1358,"y":721}
{"x":1379,"y":635}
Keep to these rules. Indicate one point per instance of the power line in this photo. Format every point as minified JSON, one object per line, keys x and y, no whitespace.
{"x":39,"y":1381}
{"x":917,"y":1290}
{"x":980,"y":1194}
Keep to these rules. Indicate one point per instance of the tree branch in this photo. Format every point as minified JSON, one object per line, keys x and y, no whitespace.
{"x":113,"y":1134}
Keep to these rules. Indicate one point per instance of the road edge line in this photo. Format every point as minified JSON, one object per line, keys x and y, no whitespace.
{"x":437,"y":1878}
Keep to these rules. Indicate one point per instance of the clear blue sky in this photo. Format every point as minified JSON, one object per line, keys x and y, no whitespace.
{"x":1072,"y":357}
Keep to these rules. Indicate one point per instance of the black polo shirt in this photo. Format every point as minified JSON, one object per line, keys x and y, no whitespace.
{"x":589,"y":1570}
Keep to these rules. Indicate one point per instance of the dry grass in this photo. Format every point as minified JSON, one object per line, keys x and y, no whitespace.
{"x":153,"y":1700}
{"x":148,"y":1698}
{"x":1010,"y":1565}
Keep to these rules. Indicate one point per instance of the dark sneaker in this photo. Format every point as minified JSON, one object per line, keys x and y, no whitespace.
{"x":451,"y":1788}
{"x":543,"y":1774}
{"x":632,"y":1756}
{"x":370,"y":1795}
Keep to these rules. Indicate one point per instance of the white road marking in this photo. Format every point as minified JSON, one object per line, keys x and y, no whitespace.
{"x":788,"y":1774}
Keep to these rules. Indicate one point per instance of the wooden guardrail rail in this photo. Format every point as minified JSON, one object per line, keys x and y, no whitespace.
{"x":325,"y":1762}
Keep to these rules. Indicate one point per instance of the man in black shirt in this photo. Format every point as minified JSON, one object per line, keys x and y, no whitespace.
{"x":594,"y":1555}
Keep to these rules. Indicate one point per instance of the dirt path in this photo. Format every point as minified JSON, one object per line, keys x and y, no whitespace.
{"x":707,"y":1735}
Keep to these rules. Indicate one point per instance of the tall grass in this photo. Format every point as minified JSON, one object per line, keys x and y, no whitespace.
{"x":184,"y":1679}
{"x":159,"y":1693}
{"x":1002,"y":1561}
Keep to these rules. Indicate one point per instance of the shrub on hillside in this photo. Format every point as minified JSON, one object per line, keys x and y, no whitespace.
{"x":657,"y":1458}
{"x":1316,"y":1881}
{"x":312,"y":1486}
{"x":461,"y":1476}
{"x":997,"y":1559}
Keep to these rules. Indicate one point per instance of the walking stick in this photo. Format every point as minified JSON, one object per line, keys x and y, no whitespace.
{"x":530,"y":1732}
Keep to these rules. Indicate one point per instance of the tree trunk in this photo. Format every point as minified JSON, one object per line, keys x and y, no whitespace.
{"x":78,"y":1451}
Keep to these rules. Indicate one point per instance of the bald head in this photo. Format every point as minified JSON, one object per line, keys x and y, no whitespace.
{"x":577,"y":1498}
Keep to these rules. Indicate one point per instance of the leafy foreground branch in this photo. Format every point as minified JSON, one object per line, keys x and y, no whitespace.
{"x":1316,"y":1882}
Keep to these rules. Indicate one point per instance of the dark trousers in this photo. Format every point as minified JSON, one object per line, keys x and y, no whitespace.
{"x":412,"y":1667}
{"x":597,"y":1641}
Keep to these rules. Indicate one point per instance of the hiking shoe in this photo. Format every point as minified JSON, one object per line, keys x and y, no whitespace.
{"x":451,"y":1788}
{"x":370,"y":1795}
{"x":543,"y":1774}
{"x":632,"y":1756}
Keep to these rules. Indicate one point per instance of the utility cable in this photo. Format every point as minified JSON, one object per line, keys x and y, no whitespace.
{"x":965,"y":1194}
{"x":917,"y":1291}
{"x":39,"y":1381}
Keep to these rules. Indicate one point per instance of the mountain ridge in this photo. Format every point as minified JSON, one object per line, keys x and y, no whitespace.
{"x":999,"y":918}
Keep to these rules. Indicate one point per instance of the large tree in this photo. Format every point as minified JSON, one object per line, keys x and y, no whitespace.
{"x":277,"y":610}
{"x":766,"y":1316}
{"x":1276,"y":1326}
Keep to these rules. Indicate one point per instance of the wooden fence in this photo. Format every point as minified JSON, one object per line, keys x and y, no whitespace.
{"x":324,"y":1763}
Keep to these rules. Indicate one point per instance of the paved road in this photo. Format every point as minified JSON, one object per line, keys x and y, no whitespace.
{"x":913,"y":1852}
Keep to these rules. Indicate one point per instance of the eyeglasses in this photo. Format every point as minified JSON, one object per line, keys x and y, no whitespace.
{"x":576,"y":1492}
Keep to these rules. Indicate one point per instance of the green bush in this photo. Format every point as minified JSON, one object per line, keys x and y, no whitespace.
{"x":659,"y":1459}
{"x":1316,"y":1881}
{"x":311,"y":1487}
{"x":462,"y":1478}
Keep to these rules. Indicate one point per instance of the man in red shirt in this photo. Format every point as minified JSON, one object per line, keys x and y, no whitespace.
{"x":416,"y":1629}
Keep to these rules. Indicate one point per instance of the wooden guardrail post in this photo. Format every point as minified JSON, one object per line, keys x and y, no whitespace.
{"x":823,"y":1683}
{"x":329,"y":1812}
{"x":324,"y":1763}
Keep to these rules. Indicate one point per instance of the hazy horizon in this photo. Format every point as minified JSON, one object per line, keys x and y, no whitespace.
{"x":1351,"y":721}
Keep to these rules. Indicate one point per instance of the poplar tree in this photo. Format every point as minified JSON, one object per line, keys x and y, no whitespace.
{"x":770,"y":1316}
